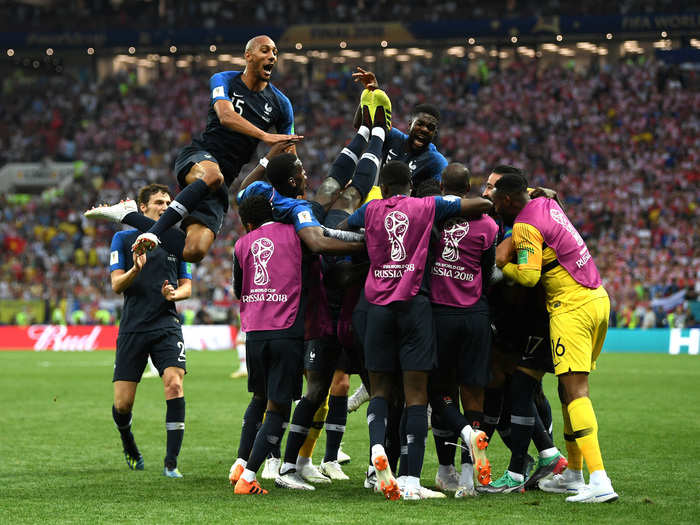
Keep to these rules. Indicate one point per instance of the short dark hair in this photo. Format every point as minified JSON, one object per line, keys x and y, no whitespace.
{"x":504,"y":169}
{"x":146,"y":192}
{"x":279,"y":170}
{"x":428,"y":188}
{"x":455,"y":179}
{"x":511,"y":184}
{"x":426,"y":108}
{"x":255,"y":210}
{"x":395,"y":174}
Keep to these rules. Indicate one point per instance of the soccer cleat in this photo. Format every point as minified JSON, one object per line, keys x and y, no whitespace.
{"x":272,"y":468}
{"x":234,"y":473}
{"x":248,"y":487}
{"x":358,"y":398}
{"x":567,"y":482}
{"x":343,"y":458}
{"x":385,"y":479}
{"x":595,"y":493}
{"x":333,"y":470}
{"x":448,"y":483}
{"x":171,"y":473}
{"x":292,"y":480}
{"x":115,"y":213}
{"x":545,"y":467}
{"x":380,"y":118}
{"x":145,"y":243}
{"x":134,"y":462}
{"x":465,"y":492}
{"x":371,"y":479}
{"x":477,"y":442}
{"x":366,"y":100}
{"x":503,"y":485}
{"x":426,"y":493}
{"x":241,"y":372}
{"x":309,"y":472}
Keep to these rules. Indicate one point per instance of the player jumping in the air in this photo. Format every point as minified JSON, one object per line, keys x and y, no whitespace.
{"x":243,"y":107}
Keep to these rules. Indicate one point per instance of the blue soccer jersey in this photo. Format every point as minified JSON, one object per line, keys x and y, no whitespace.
{"x":284,"y":209}
{"x":424,"y":165}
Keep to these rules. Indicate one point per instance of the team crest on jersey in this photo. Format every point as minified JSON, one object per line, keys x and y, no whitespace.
{"x":454,"y":231}
{"x":262,"y":250}
{"x":268,"y":108}
{"x":396,"y":225}
{"x":412,"y":165}
{"x":561,"y":219}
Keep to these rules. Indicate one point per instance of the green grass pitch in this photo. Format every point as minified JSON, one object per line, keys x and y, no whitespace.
{"x":61,"y":458}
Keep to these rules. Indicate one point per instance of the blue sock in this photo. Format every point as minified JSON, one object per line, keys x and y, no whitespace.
{"x":335,"y":425}
{"x":175,"y":429}
{"x":185,"y":203}
{"x":266,"y":439}
{"x":376,"y":420}
{"x":344,"y":164}
{"x":368,"y":166}
{"x":252,"y":420}
{"x":416,"y":432}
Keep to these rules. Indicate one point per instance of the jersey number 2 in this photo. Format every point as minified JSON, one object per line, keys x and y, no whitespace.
{"x":181,"y":358}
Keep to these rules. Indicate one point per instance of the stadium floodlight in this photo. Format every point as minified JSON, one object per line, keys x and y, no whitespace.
{"x":298,"y":45}
{"x":514,"y":39}
{"x":609,"y":36}
{"x":212,"y":48}
{"x":343,"y":44}
{"x":664,"y":34}
{"x":173,"y":49}
{"x":132,"y":50}
{"x":471,"y":41}
{"x":49,"y":51}
{"x":560,"y":38}
{"x":90,"y":50}
{"x":10,"y":52}
{"x":384,"y":43}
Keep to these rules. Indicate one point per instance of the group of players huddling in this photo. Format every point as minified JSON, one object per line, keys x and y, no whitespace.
{"x":391,"y":272}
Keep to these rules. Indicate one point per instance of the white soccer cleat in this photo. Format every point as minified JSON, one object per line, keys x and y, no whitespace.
{"x":272,"y":468}
{"x":385,"y":479}
{"x":333,"y":470}
{"x":568,"y":482}
{"x":343,"y":457}
{"x":292,"y":481}
{"x":595,"y":493}
{"x":358,"y":398}
{"x":477,"y":442}
{"x":449,"y":482}
{"x":371,"y":479}
{"x":241,"y":372}
{"x":310,"y":473}
{"x":465,"y":492}
{"x":145,"y":243}
{"x":426,"y":493}
{"x":115,"y":213}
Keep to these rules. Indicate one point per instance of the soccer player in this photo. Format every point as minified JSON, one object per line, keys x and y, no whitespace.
{"x":522,"y":357}
{"x":399,"y":319}
{"x":548,"y":247}
{"x":270,"y":280}
{"x":149,"y":327}
{"x":243,"y":107}
{"x":415,"y":148}
{"x":464,"y":259}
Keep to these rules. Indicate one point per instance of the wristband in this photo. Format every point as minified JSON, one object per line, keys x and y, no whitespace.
{"x":263,"y":162}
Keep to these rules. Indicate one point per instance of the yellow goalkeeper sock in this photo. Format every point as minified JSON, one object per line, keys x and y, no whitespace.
{"x":585,"y":427}
{"x":307,"y":449}
{"x":574,"y":458}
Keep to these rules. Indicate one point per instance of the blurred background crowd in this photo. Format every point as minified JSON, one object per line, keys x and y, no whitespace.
{"x":619,"y":142}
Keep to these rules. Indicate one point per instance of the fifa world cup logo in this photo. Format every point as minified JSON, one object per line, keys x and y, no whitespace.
{"x":454,"y":232}
{"x":396,"y":226}
{"x":560,"y":218}
{"x":262,"y":251}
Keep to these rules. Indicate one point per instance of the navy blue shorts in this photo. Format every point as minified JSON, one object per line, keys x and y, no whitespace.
{"x":166,"y":348}
{"x":400,"y":336}
{"x":275,"y":368}
{"x":213,"y":208}
{"x":464,"y":344}
{"x":321,"y":355}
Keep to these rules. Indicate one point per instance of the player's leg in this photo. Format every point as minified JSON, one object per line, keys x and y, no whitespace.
{"x":335,"y":425}
{"x":241,"y":351}
{"x":129,"y":363}
{"x":174,"y":418}
{"x":577,"y":338}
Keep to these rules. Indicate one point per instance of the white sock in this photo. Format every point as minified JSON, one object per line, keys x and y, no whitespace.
{"x":466,"y":477}
{"x":286,"y":467}
{"x":302,"y":461}
{"x":445,"y":470}
{"x":516,"y":476}
{"x":465,"y":433}
{"x":248,"y":475}
{"x":549,"y":452}
{"x":241,"y":462}
{"x":379,"y":132}
{"x":599,"y":477}
{"x":364,"y":131}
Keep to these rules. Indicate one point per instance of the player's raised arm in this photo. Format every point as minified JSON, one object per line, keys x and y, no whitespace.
{"x":474,"y":206}
{"x":230,"y":119}
{"x":258,"y":173}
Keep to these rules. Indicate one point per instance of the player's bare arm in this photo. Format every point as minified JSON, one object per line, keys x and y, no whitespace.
{"x":183,"y":290}
{"x":317,"y":242}
{"x":474,"y":207}
{"x":121,"y":280}
{"x":258,"y":173}
{"x":230,"y":118}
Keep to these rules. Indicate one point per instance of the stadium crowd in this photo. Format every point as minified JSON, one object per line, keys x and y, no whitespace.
{"x":619,"y":145}
{"x":146,"y":14}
